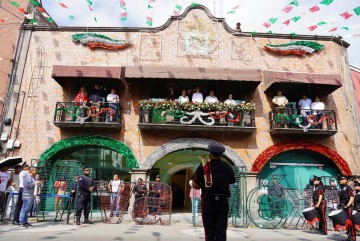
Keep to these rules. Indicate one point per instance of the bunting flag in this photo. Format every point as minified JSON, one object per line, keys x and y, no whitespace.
{"x":300,"y":48}
{"x":266,"y":25}
{"x":41,"y":10}
{"x":333,"y":29}
{"x":35,"y":3}
{"x":232,"y":11}
{"x":71,"y":17}
{"x":296,"y":18}
{"x":2,"y":20}
{"x":90,"y":8}
{"x":287,"y":9}
{"x":89,"y":2}
{"x":270,"y":32}
{"x":93,"y":40}
{"x":149,"y":18}
{"x":314,"y":9}
{"x":95,"y":19}
{"x":322,"y":23}
{"x":357,"y":11}
{"x":294,"y":2}
{"x":346,"y":15}
{"x":312,"y":28}
{"x":287,"y":22}
{"x":273,"y":20}
{"x":345,"y":28}
{"x":15,"y":4}
{"x":63,"y":5}
{"x":21,"y":10}
{"x":253,"y":34}
{"x":50,"y":20}
{"x":294,"y":34}
{"x":326,"y":2}
{"x":177,"y":9}
{"x":123,"y":12}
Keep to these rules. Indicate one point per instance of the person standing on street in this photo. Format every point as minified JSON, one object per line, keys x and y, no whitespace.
{"x":19,"y":203}
{"x":13,"y":190}
{"x":28,"y":196}
{"x":318,"y":201}
{"x":85,"y":187}
{"x":5,"y":180}
{"x":214,"y":177}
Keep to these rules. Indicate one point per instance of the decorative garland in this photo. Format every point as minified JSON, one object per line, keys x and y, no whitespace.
{"x":311,"y":119}
{"x":218,"y":114}
{"x":93,"y":40}
{"x":102,"y":110}
{"x":196,"y":115}
{"x":300,"y":48}
{"x":77,"y":110}
{"x":177,"y":114}
{"x":238,"y":117}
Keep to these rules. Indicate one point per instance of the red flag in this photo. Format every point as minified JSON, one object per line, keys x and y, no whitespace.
{"x":63,"y":5}
{"x":312,"y":28}
{"x":21,"y":10}
{"x":287,"y":22}
{"x":287,"y":9}
{"x":346,"y":15}
{"x":90,"y":8}
{"x":314,"y":9}
{"x":266,"y":24}
{"x":333,"y":29}
{"x":2,"y":20}
{"x":41,"y":10}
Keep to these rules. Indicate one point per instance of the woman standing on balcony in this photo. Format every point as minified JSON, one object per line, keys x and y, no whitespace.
{"x":183,"y":97}
{"x":81,"y":96}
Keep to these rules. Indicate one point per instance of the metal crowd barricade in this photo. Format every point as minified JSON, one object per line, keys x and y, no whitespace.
{"x":153,"y":208}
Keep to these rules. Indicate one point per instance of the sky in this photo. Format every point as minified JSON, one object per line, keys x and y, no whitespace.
{"x":253,"y":14}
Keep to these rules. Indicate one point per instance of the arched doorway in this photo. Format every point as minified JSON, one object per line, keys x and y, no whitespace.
{"x":66,"y":158}
{"x":176,"y":161}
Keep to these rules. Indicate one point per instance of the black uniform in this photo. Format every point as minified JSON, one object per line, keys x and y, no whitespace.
{"x":215,"y":204}
{"x":84,"y":196}
{"x":345,"y":192}
{"x":319,"y":191}
{"x":357,"y":201}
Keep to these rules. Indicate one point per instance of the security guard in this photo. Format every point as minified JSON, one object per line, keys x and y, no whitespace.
{"x":214,"y":176}
{"x":357,"y":196}
{"x":345,"y":201}
{"x":318,"y":201}
{"x":85,"y":187}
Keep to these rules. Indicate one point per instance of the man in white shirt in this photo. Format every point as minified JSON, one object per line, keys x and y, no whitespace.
{"x":5,"y":180}
{"x":305,"y":106}
{"x":13,"y":190}
{"x":211,"y":98}
{"x":19,"y":202}
{"x":113,"y":100}
{"x":317,"y":106}
{"x":197,"y":96}
{"x":280,"y":100}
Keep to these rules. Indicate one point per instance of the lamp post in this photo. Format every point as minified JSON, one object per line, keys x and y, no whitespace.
{"x":169,"y":173}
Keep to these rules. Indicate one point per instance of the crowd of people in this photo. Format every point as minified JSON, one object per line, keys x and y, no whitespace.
{"x":305,"y":106}
{"x":98,"y":99}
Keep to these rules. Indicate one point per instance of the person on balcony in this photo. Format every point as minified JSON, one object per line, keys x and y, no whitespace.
{"x":280,"y":100}
{"x":230,"y":100}
{"x":304,"y":107}
{"x":80,"y":99}
{"x":231,"y":115}
{"x":211,"y":98}
{"x":96,"y":96}
{"x":113,"y":100}
{"x":183,"y":97}
{"x":197,"y":96}
{"x":238,"y":27}
{"x":317,"y":106}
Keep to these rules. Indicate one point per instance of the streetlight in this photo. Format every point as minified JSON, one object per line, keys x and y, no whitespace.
{"x":169,"y":174}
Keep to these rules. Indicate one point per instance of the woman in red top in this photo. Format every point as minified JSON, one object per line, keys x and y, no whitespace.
{"x":81,"y":96}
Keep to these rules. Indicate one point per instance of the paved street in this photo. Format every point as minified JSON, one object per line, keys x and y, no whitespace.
{"x":179,"y":230}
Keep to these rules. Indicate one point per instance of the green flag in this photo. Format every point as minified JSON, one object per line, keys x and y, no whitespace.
{"x":89,"y":2}
{"x":321,"y":23}
{"x":50,"y":20}
{"x":35,"y":3}
{"x":294,"y":34}
{"x":15,"y":4}
{"x":95,"y":19}
{"x":357,"y":11}
{"x":71,"y":17}
{"x":296,"y":18}
{"x":178,"y":7}
{"x":194,"y":4}
{"x":270,"y":32}
{"x":32,"y":21}
{"x":294,"y":2}
{"x":231,"y":12}
{"x":326,"y":2}
{"x":150,"y":6}
{"x":253,"y":33}
{"x":273,"y":20}
{"x":345,"y":28}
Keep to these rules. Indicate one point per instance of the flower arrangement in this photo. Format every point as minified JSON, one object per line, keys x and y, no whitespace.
{"x":192,"y":106}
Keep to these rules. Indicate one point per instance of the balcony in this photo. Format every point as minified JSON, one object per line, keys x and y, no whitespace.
{"x":197,"y":120}
{"x":303,"y":122}
{"x":84,"y":115}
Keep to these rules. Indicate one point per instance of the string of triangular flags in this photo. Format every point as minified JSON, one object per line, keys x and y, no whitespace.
{"x":123,"y":12}
{"x":233,"y":9}
{"x":149,"y":17}
{"x":178,"y":8}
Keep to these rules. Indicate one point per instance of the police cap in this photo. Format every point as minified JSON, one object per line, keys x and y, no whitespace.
{"x":316,"y":178}
{"x":157,"y":176}
{"x":216,"y":148}
{"x":356,"y":184}
{"x":342,"y":177}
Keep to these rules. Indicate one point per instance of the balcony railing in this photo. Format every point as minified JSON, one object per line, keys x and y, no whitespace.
{"x":289,"y":120}
{"x":86,"y":115}
{"x":214,"y":121}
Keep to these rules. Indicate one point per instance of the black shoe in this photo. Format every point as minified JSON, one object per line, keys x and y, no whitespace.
{"x":15,"y":223}
{"x":87,"y":221}
{"x":28,"y":224}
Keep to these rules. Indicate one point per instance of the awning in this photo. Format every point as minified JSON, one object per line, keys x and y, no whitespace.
{"x":193,"y":73}
{"x":60,"y":72}
{"x":330,"y":81}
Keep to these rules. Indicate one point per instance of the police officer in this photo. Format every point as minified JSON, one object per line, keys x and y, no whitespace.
{"x":357,"y":196}
{"x":214,"y":176}
{"x":345,"y":201}
{"x":85,"y":186}
{"x":318,"y":201}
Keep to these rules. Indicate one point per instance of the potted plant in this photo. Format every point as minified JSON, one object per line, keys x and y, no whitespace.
{"x":145,"y":108}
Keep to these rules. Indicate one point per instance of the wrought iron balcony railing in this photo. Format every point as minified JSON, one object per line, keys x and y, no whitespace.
{"x":242,"y":121}
{"x":290,"y":120}
{"x":76,"y":114}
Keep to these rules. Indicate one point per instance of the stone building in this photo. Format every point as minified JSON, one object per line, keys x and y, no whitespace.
{"x":192,"y":50}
